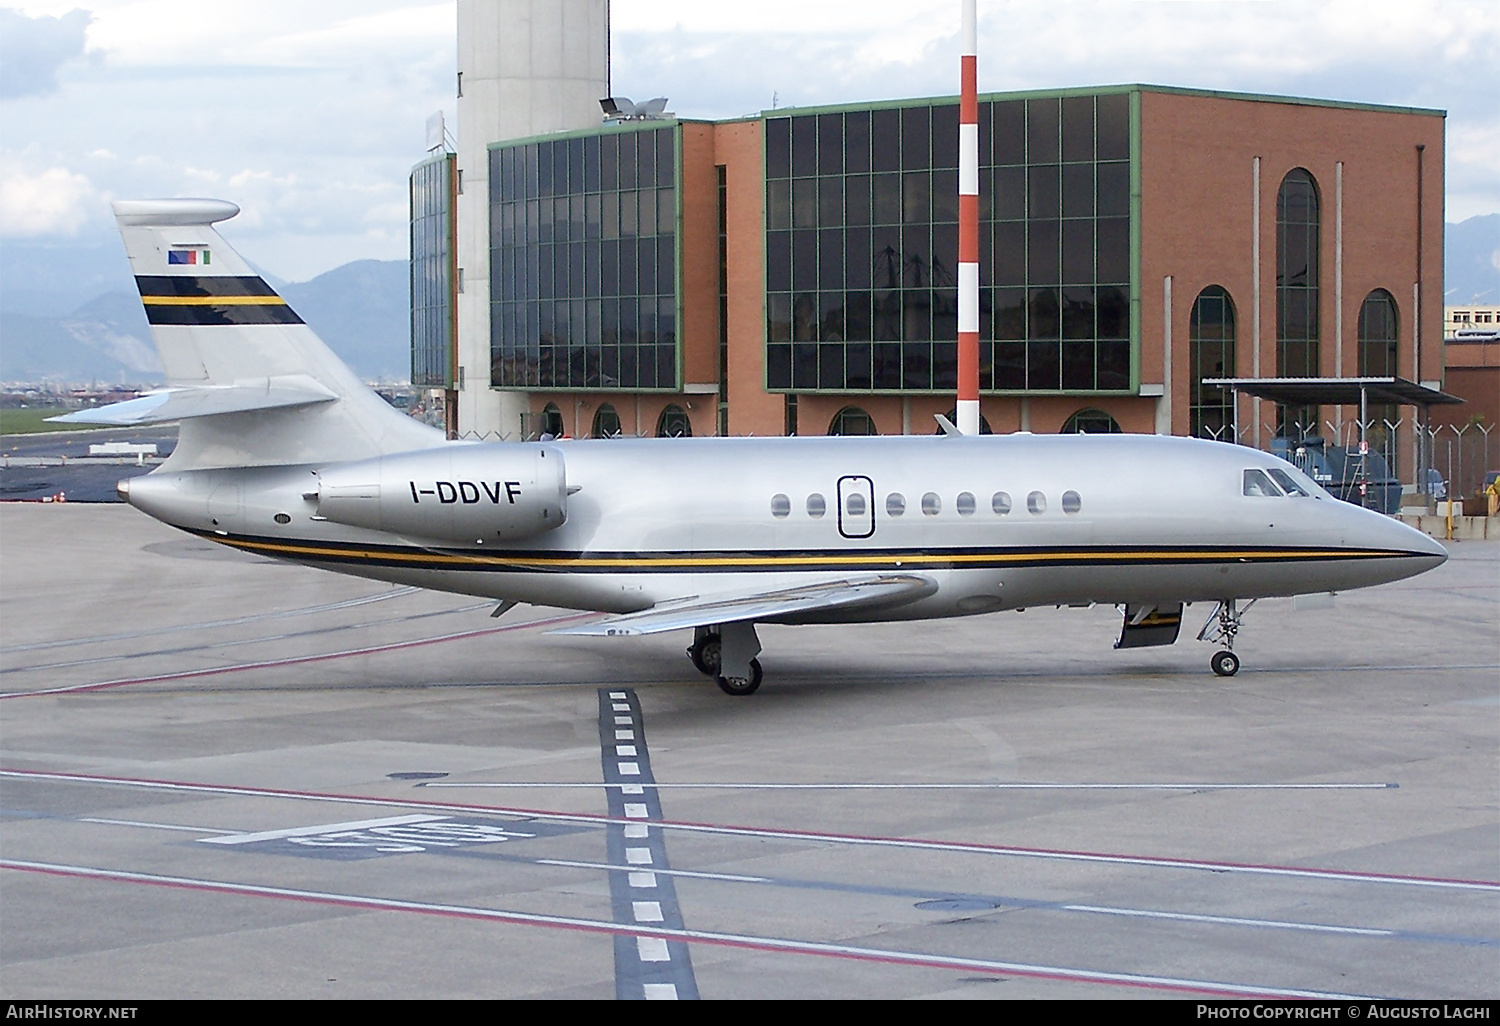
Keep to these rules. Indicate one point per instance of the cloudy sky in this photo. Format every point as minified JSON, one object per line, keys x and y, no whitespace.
{"x":310,"y":115}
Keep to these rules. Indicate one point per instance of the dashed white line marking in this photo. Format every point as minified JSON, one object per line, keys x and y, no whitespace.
{"x":617,"y":695}
{"x":652,"y":949}
{"x":636,"y":830}
{"x":635,"y":810}
{"x":638,"y":856}
{"x":630,"y":769}
{"x":625,"y":750}
{"x":622,"y":721}
{"x":661,"y":991}
{"x":647,"y":911}
{"x":644,"y":881}
{"x":621,"y":707}
{"x":624,"y":735}
{"x":632,"y":789}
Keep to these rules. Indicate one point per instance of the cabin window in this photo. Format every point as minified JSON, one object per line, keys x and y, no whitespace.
{"x":781,"y":506}
{"x":895,"y":504}
{"x":816,"y":505}
{"x":1072,"y":502}
{"x":931,"y":504}
{"x":1257,"y":483}
{"x":1036,"y":502}
{"x":965,"y":505}
{"x":1288,"y":483}
{"x":1000,"y":503}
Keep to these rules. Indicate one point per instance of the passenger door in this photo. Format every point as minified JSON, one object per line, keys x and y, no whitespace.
{"x":856,"y":506}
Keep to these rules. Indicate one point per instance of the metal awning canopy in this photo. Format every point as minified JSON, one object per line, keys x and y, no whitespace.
{"x":1336,"y":391}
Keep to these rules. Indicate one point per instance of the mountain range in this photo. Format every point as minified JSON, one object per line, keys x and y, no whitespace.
{"x":69,"y":314}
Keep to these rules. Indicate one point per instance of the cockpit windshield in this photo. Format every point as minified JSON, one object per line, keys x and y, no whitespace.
{"x":1288,"y":483}
{"x":1258,"y":484}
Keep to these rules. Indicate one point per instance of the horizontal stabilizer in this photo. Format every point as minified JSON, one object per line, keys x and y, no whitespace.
{"x":204,"y":401}
{"x":766,"y":606}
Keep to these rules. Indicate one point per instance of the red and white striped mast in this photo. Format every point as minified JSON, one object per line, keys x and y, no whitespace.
{"x":968,"y":226}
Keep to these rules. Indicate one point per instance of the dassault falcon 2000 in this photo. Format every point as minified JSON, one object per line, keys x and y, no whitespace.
{"x":282,"y":451}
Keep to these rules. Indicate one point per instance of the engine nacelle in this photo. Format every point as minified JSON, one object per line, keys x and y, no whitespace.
{"x":463,"y":493}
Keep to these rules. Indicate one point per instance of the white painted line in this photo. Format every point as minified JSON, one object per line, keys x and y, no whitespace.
{"x":652,"y":949}
{"x":636,"y":830}
{"x":728,"y":786}
{"x":621,"y":707}
{"x":325,"y":828}
{"x":661,"y":991}
{"x":624,"y":735}
{"x":691,"y":873}
{"x":625,"y":750}
{"x":635,"y":810}
{"x":797,"y":836}
{"x":647,"y":911}
{"x":643,"y":881}
{"x":630,"y":769}
{"x":1274,"y":924}
{"x":653,"y":940}
{"x":638,"y":856}
{"x":617,"y":695}
{"x":622,"y":721}
{"x":157,"y":826}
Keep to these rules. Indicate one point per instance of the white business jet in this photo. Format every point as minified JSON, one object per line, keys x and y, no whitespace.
{"x":284,"y":452}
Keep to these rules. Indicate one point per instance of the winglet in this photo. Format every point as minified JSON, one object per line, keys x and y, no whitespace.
{"x":949,"y":428}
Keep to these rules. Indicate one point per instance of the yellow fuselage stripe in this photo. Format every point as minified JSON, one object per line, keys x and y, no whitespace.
{"x":213,"y":301}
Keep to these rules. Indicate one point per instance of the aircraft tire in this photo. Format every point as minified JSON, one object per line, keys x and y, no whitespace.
{"x":705,"y":654}
{"x":740,"y":685}
{"x":1225,"y":664}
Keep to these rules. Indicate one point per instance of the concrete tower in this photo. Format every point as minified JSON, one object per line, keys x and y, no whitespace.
{"x":525,"y":67}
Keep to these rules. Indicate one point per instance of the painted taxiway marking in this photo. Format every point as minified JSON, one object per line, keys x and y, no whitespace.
{"x":662,"y":935}
{"x":798,"y":836}
{"x":211,"y":671}
{"x":1005,"y":786}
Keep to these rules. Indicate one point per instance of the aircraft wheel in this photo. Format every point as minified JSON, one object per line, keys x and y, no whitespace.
{"x":705,"y":654}
{"x":741,"y":685}
{"x":1225,"y":664}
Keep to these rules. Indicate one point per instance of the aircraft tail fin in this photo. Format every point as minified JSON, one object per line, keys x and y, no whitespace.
{"x":252,"y":384}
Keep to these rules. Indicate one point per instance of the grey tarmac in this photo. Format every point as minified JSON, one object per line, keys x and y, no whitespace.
{"x":225,"y":776}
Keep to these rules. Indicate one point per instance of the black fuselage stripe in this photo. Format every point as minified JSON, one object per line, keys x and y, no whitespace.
{"x":782,"y":561}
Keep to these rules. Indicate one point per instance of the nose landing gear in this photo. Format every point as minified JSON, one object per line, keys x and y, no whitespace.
{"x":1223,"y":624}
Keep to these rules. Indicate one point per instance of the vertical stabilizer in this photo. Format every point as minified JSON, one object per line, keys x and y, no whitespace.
{"x":225,"y":337}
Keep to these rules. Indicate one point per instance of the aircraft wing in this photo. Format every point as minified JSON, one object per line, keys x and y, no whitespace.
{"x":695,"y":611}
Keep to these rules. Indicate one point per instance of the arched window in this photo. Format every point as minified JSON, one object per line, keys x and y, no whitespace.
{"x":1379,"y":330}
{"x":1091,"y":422}
{"x":674,"y":423}
{"x":1297,"y":276}
{"x":1211,"y":339}
{"x":851,"y":420}
{"x":552,"y":422}
{"x":606,"y":422}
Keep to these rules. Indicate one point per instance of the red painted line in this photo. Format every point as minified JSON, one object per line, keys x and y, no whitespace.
{"x":70,"y":689}
{"x":956,"y":847}
{"x":718,"y":939}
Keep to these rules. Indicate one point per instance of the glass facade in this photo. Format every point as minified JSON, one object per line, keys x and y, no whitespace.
{"x":432,"y":284}
{"x":1298,"y":230}
{"x":862,"y":247}
{"x":584,"y":254}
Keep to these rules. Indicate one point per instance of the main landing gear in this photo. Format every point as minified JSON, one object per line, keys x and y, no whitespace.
{"x":726,"y":652}
{"x":1223,"y":624}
